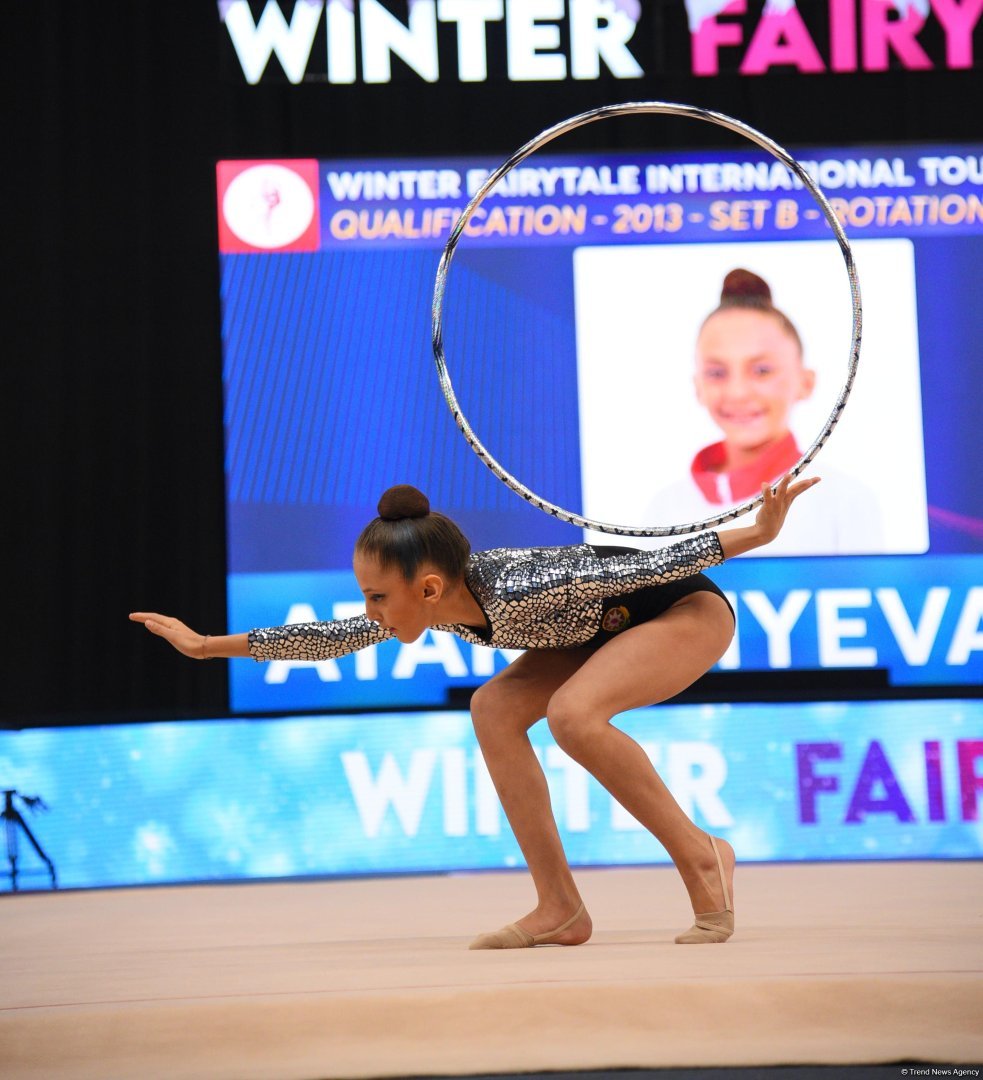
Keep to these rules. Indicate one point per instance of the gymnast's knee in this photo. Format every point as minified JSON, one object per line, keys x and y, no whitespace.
{"x":497,"y":710}
{"x":572,"y":726}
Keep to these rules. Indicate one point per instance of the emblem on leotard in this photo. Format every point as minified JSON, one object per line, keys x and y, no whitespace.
{"x":615,"y":619}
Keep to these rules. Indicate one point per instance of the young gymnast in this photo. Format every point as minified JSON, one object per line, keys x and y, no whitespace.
{"x":750,"y":375}
{"x":606,"y":629}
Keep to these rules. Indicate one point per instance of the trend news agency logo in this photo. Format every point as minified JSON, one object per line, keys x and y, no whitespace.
{"x":268,"y":206}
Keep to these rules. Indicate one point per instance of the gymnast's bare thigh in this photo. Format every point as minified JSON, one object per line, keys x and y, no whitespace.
{"x":641,"y":666}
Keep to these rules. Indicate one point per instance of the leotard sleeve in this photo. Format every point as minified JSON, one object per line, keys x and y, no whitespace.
{"x":584,"y":572}
{"x":616,"y":574}
{"x":316,"y":640}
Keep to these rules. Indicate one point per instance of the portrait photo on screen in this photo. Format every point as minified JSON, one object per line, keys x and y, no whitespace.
{"x":706,"y":369}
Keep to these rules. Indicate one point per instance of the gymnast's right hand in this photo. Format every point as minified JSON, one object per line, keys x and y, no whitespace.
{"x":182,"y":637}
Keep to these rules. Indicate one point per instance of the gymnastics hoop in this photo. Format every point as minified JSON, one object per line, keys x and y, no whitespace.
{"x":628,"y":109}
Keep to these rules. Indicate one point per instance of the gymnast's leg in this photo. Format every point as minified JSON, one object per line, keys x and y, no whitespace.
{"x":503,"y":710}
{"x":642,"y":666}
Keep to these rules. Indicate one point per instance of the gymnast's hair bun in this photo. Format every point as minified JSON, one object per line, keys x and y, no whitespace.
{"x":742,"y":285}
{"x":403,"y":501}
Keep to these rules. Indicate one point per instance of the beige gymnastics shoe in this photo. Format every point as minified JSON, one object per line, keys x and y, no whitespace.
{"x":712,"y":927}
{"x":514,"y":937}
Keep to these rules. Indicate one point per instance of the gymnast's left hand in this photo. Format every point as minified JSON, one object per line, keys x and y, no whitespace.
{"x":771,"y":516}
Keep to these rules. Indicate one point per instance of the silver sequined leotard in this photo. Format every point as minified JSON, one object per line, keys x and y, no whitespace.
{"x":533,"y":598}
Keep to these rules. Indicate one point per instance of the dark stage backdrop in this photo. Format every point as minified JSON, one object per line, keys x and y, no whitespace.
{"x":111,"y":404}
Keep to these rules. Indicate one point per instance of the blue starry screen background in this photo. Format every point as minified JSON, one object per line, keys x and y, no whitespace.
{"x":236,"y":799}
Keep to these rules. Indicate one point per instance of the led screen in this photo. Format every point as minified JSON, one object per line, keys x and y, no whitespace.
{"x":575,"y":319}
{"x":408,"y":792}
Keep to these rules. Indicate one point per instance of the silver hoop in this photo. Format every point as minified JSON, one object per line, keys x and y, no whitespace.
{"x":629,"y":109}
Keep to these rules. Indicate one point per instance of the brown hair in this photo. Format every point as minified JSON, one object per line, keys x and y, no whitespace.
{"x":407,"y":534}
{"x":746,"y":290}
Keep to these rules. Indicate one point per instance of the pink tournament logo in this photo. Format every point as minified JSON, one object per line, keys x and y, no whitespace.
{"x":268,"y":206}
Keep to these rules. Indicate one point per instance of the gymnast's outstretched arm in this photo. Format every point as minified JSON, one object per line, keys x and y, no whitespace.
{"x":297,"y":641}
{"x":315,"y":641}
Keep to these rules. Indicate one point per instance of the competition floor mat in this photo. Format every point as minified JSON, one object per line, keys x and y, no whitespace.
{"x":843,"y":963}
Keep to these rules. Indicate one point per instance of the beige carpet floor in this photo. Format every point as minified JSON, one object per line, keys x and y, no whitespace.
{"x":845,"y":963}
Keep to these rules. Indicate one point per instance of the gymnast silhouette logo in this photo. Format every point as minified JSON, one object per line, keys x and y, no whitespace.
{"x":615,"y":619}
{"x":268,"y":206}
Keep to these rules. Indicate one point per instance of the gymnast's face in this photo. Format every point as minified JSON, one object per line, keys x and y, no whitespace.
{"x":407,"y":608}
{"x":749,"y":374}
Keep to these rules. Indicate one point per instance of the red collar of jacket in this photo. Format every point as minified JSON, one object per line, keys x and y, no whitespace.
{"x":744,"y":483}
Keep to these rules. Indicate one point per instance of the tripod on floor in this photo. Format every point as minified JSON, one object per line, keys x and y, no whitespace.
{"x":13,"y":821}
